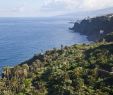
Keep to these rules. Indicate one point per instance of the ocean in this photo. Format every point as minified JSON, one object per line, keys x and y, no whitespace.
{"x":21,"y":38}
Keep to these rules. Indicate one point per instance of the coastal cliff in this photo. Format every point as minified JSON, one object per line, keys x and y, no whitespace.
{"x":92,"y":26}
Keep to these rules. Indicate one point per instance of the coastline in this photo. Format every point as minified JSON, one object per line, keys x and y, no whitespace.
{"x":91,"y":27}
{"x":69,"y":66}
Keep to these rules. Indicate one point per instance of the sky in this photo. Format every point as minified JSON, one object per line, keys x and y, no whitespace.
{"x":38,"y":8}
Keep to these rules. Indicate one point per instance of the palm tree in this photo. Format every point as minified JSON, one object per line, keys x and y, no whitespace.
{"x":6,"y":73}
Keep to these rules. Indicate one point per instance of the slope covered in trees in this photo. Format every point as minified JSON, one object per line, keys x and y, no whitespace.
{"x":108,"y":37}
{"x":85,"y":69}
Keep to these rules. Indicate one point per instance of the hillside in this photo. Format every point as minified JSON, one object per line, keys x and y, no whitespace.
{"x":92,"y":26}
{"x":85,"y":69}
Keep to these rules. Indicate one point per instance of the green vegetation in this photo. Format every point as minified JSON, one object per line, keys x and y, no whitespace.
{"x":108,"y":37}
{"x":75,"y":70}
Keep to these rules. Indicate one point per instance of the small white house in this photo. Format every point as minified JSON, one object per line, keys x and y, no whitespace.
{"x":101,"y":31}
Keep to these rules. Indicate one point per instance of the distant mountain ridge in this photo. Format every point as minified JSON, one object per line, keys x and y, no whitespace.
{"x":93,"y":13}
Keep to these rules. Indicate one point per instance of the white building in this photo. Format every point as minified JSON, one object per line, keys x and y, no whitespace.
{"x":101,"y":31}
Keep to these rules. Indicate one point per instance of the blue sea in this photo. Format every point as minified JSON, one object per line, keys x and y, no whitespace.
{"x":21,"y":38}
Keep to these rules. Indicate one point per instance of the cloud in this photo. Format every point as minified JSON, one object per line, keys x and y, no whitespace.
{"x":76,"y":5}
{"x":49,"y":7}
{"x":59,"y":5}
{"x":96,"y":4}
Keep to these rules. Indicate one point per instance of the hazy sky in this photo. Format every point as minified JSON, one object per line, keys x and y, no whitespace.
{"x":49,"y":7}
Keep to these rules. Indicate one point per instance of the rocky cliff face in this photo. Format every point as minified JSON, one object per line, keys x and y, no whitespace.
{"x":92,"y":26}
